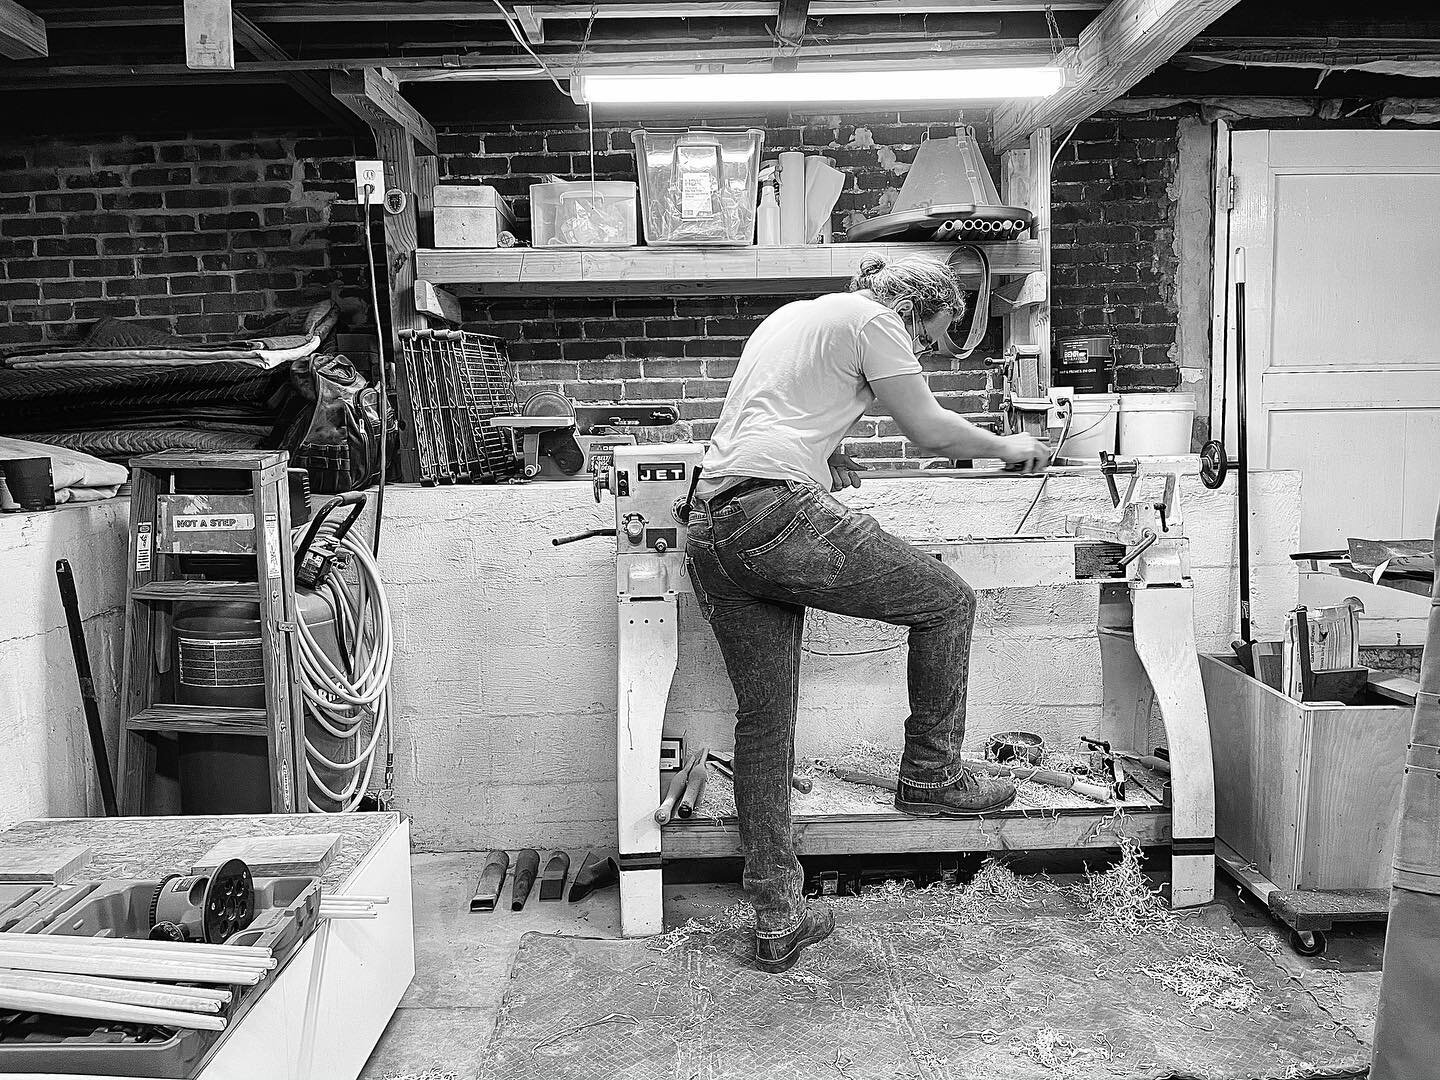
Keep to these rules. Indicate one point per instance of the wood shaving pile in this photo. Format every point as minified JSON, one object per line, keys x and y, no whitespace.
{"x":1207,"y":981}
{"x":1120,"y":897}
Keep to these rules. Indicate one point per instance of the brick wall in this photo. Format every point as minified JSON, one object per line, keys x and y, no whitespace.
{"x":1112,"y":243}
{"x":215,"y":237}
{"x":207,"y":237}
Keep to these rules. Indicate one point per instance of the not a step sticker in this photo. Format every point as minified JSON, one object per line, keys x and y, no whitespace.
{"x":213,"y":522}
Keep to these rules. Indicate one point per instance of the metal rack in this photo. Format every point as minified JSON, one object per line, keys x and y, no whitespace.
{"x":459,"y":381}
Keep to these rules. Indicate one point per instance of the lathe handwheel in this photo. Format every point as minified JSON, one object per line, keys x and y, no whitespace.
{"x":1213,"y":465}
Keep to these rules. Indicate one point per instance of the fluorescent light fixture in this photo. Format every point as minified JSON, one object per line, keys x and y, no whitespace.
{"x":816,"y":87}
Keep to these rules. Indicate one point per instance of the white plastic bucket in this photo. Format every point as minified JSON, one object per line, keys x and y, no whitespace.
{"x":1156,"y":425}
{"x":1093,"y":425}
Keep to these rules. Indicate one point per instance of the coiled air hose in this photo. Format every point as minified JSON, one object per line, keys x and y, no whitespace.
{"x":344,"y":703}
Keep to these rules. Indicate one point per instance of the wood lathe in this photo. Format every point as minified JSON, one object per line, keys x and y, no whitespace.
{"x":1139,"y":567}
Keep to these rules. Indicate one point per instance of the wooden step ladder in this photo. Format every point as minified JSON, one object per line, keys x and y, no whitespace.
{"x":252,"y":522}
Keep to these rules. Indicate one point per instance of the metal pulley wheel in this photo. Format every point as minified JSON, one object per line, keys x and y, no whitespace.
{"x":208,"y":909}
{"x":1214,"y":466}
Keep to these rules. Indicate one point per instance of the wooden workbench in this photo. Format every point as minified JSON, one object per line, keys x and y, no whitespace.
{"x":325,"y":1010}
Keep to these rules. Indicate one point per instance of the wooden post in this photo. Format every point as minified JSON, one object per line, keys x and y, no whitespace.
{"x":397,"y":128}
{"x":1025,"y":181}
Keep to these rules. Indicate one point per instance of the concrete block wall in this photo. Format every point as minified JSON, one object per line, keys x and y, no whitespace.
{"x":46,"y":767}
{"x":222,"y":236}
{"x":506,"y":646}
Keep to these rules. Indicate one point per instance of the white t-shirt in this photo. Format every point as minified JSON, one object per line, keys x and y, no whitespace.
{"x":802,"y":382}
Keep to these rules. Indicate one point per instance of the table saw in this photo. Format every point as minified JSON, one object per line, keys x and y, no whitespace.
{"x":1138,"y":562}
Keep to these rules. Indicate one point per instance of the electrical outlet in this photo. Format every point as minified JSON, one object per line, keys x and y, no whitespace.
{"x":371,"y":174}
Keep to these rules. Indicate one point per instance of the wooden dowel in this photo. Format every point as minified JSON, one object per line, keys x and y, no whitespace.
{"x":328,"y":897}
{"x":350,"y":913}
{"x":70,"y":1005}
{"x":259,"y":959}
{"x":127,"y":967}
{"x":120,"y":991}
{"x":218,"y":995}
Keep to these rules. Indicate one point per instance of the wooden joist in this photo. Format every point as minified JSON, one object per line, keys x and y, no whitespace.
{"x":312,"y":87}
{"x":460,"y":11}
{"x":1126,"y":42}
{"x":22,"y":33}
{"x":790,"y":22}
{"x":374,"y":97}
{"x":532,"y":24}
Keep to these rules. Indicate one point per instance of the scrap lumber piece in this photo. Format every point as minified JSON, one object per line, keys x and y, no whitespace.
{"x":306,"y":854}
{"x":56,"y":866}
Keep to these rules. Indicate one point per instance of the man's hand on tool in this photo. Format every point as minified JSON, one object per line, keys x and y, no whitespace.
{"x":1025,"y":451}
{"x":844,"y":471}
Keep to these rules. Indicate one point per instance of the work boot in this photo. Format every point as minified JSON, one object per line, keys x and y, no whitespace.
{"x":969,"y":795}
{"x":779,"y":954}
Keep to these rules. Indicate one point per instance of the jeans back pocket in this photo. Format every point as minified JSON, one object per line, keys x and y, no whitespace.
{"x":797,"y":557}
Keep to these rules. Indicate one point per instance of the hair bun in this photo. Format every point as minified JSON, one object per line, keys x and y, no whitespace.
{"x":873,"y":264}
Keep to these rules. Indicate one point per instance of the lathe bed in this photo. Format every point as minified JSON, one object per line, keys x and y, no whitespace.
{"x":841,"y":818}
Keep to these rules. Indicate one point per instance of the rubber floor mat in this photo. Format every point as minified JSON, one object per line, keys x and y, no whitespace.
{"x":909,"y":988}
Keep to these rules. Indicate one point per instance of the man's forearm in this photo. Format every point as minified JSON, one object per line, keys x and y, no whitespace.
{"x":956,"y":437}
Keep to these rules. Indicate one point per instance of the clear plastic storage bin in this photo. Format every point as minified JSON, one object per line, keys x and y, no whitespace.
{"x":583,"y":214}
{"x":699,"y":186}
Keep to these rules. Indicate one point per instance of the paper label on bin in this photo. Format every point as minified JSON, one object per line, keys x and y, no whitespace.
{"x":694,"y":196}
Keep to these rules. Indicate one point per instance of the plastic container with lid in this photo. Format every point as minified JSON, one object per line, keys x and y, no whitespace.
{"x":698,"y":187}
{"x":583,"y":213}
{"x":1157,"y":425}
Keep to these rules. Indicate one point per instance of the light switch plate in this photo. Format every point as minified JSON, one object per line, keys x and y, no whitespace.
{"x":373,"y":174}
{"x":671,"y":754}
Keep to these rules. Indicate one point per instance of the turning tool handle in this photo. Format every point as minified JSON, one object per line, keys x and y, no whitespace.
{"x":666,"y":810}
{"x":694,"y":785}
{"x":588,"y":534}
{"x":492,"y":880}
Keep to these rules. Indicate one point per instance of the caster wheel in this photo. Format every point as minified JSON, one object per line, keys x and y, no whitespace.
{"x":1308,"y":942}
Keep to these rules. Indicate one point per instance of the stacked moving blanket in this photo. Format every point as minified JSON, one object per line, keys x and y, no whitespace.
{"x":126,"y":390}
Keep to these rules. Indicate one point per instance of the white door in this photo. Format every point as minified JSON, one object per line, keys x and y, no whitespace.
{"x":1341,"y":231}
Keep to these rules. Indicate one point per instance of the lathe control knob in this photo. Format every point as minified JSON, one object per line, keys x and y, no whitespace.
{"x":661,"y":546}
{"x":634,"y":528}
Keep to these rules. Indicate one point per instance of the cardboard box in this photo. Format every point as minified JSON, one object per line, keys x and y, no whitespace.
{"x":470,"y":216}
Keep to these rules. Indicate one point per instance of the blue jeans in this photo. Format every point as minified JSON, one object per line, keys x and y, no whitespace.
{"x":757,"y":560}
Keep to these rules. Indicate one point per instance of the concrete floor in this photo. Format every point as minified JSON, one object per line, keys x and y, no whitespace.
{"x":463,"y":960}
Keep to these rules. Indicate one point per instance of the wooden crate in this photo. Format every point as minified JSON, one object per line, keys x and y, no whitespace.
{"x":1308,"y":793}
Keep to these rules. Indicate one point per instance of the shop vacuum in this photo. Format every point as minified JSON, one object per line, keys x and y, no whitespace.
{"x":343,"y":654}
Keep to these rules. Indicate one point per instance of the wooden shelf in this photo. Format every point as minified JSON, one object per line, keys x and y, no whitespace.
{"x":679,"y":271}
{"x":196,"y":589}
{"x":1342,"y":568}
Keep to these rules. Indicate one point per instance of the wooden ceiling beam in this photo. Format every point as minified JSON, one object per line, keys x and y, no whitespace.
{"x":356,"y":11}
{"x":532,"y":24}
{"x":373,"y":94}
{"x":313,"y":88}
{"x":22,"y":33}
{"x":1126,"y":42}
